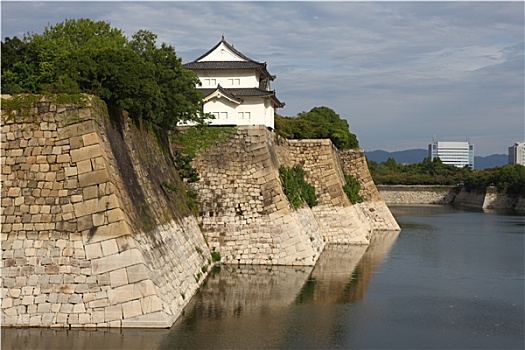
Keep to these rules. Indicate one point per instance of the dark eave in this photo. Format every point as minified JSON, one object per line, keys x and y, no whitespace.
{"x":223,"y":91}
{"x":211,"y":65}
{"x":248,"y":63}
{"x":239,"y":93}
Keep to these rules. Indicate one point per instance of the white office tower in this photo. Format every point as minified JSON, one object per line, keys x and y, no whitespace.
{"x":458,"y":154}
{"x":517,"y":153}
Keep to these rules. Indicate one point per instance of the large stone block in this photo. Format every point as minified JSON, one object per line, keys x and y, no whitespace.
{"x":118,"y":277}
{"x":131,"y":309}
{"x":112,"y":313}
{"x":137,"y":273}
{"x":123,"y":294}
{"x":86,"y":152}
{"x":93,"y":178}
{"x":117,"y":261}
{"x":158,"y":319}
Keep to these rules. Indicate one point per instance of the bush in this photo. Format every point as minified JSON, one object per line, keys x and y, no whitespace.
{"x":215,"y":256}
{"x":295,"y":187}
{"x":352,"y":188}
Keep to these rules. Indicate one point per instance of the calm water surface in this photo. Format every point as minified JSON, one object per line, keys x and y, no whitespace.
{"x":451,"y":279}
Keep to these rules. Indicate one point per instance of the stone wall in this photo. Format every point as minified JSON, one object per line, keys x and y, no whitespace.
{"x":341,"y":222}
{"x":248,"y":219}
{"x":487,"y":199}
{"x":84,"y":243}
{"x":400,"y":194}
{"x":96,"y":231}
{"x":243,"y":210}
{"x":373,"y":206}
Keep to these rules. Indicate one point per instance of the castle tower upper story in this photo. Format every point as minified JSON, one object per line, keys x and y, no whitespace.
{"x":236,"y":88}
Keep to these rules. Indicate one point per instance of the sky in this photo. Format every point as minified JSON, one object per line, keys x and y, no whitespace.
{"x":400,"y":73}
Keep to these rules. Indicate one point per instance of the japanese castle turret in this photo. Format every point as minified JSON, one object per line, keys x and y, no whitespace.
{"x":236,"y":88}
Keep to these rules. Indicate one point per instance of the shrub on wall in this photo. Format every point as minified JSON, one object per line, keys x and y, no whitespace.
{"x":295,"y":187}
{"x":352,"y":188}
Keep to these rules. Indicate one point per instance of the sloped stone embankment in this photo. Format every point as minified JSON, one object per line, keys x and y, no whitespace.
{"x":83,"y":241}
{"x":96,"y":231}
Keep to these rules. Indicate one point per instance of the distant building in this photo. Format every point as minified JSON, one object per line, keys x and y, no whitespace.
{"x":517,"y":153}
{"x":458,"y":154}
{"x":236,"y":88}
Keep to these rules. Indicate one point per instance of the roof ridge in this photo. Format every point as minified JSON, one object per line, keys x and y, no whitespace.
{"x":229,"y":46}
{"x":237,"y":52}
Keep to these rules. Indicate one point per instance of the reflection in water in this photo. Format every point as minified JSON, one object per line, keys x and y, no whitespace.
{"x":44,"y":338}
{"x":242,"y":307}
{"x":253,"y":307}
{"x":341,"y":276}
{"x":235,"y":303}
{"x":332,"y":275}
{"x":452,"y":280}
{"x":232,"y":290}
{"x":342,"y":272}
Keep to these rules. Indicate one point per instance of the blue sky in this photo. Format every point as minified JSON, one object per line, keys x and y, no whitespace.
{"x":399,"y":72}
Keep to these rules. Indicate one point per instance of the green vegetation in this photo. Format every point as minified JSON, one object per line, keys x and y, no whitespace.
{"x":296,"y":189}
{"x":352,"y":188}
{"x":189,"y":141}
{"x":215,"y":256}
{"x":507,"y":179}
{"x":319,"y":123}
{"x":425,"y":173}
{"x":84,"y":56}
{"x":169,"y":186}
{"x":192,"y":200}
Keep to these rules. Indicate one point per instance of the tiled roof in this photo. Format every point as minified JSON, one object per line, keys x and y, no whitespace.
{"x":239,"y":93}
{"x":248,"y":63}
{"x":223,"y":65}
{"x":225,"y":92}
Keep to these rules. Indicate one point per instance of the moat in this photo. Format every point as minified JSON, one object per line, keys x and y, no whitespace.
{"x":450,"y":279}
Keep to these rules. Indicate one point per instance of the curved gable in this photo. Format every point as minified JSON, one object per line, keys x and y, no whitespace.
{"x":221,"y":53}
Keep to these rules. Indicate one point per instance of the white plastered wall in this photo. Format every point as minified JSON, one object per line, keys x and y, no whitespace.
{"x":250,"y":112}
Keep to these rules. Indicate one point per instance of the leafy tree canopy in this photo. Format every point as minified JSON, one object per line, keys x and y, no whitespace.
{"x":507,"y":179}
{"x":92,"y":57}
{"x":319,"y":123}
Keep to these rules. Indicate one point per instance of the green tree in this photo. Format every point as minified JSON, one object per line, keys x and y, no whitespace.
{"x":86,"y":56}
{"x":13,"y":50}
{"x":182,"y":101}
{"x":318,"y":123}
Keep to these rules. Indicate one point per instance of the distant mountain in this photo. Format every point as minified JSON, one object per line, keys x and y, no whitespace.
{"x":412,"y":156}
{"x":490,"y":161}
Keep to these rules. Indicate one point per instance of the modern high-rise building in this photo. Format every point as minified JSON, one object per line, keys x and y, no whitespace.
{"x":517,"y":153}
{"x":458,"y":154}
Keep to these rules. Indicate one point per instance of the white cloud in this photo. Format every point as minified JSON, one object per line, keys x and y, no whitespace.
{"x":400,"y":72}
